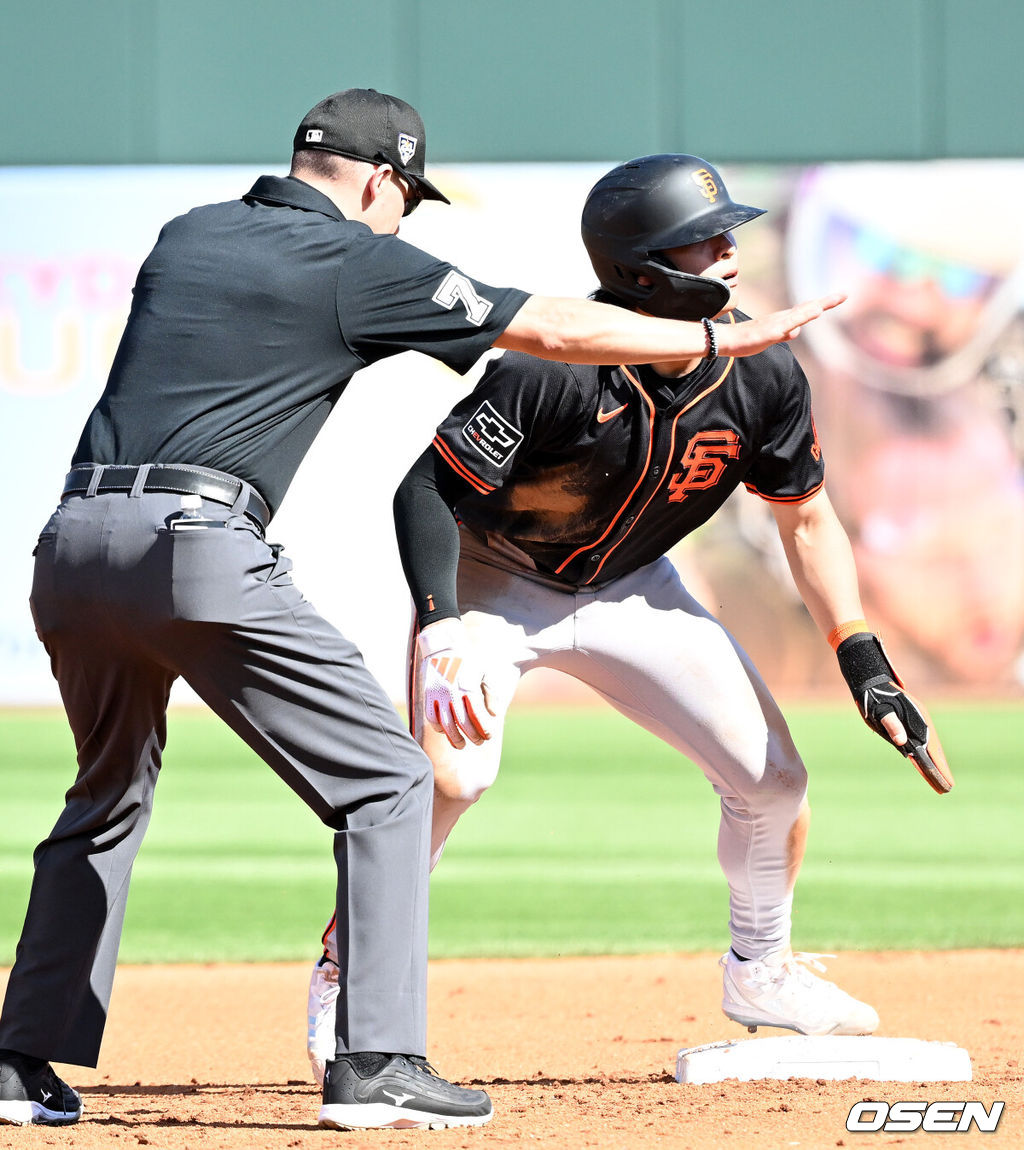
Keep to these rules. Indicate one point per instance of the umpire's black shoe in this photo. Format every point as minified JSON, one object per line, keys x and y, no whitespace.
{"x":30,"y":1092}
{"x":364,"y":1092}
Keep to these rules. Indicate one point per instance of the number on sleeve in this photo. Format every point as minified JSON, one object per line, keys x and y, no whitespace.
{"x":456,"y":288}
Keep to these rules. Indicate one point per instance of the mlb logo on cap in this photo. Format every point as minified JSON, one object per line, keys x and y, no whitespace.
{"x":314,"y":136}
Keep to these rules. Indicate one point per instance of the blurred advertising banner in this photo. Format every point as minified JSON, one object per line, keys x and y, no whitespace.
{"x":917,"y":382}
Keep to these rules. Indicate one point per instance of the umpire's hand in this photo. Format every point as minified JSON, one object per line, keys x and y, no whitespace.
{"x":455,"y":695}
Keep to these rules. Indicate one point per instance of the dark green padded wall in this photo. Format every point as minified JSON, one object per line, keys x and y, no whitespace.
{"x":199,"y":81}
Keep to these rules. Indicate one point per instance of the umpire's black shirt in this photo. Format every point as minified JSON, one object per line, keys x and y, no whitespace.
{"x":249,"y":318}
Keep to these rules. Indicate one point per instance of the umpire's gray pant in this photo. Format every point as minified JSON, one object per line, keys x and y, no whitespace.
{"x":124,"y":605}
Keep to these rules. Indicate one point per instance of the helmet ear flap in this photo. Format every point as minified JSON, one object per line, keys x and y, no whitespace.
{"x":679,"y":295}
{"x":671,"y":294}
{"x":628,"y":278}
{"x":703,"y":297}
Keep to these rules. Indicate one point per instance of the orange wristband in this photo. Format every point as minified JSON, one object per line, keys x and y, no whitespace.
{"x":845,"y":630}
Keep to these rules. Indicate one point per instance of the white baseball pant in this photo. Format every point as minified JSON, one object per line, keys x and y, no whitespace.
{"x":644,"y":644}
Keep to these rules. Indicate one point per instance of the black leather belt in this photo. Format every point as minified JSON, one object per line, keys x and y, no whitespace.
{"x":217,"y":486}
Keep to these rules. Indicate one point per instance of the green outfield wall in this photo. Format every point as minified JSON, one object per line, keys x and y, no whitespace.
{"x":199,"y":81}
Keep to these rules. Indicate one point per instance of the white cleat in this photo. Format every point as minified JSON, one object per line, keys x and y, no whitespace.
{"x":783,"y":992}
{"x":323,"y":995}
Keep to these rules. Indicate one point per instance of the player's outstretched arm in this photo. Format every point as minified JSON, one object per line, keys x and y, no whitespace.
{"x":582,"y":331}
{"x":822,"y":563}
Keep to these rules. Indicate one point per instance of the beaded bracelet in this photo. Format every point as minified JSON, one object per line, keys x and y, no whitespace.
{"x":709,"y":328}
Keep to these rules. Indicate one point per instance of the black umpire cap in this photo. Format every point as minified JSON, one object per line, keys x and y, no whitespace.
{"x":364,"y":124}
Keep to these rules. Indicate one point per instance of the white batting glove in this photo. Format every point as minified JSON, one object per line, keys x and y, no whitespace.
{"x":452,"y":681}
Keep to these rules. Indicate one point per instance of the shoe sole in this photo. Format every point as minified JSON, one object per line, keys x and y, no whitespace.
{"x":380,"y":1116}
{"x":752,"y":1022}
{"x":32,"y":1114}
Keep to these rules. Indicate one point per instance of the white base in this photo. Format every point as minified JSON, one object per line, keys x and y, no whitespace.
{"x":800,"y":1056}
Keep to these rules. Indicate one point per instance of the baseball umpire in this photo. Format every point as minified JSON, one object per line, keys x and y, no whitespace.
{"x":533,"y":533}
{"x":247,"y":322}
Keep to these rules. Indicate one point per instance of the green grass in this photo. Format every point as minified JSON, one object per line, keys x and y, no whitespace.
{"x":596,"y":839}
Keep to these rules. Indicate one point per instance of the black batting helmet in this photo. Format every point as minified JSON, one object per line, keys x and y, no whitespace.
{"x":646,"y":206}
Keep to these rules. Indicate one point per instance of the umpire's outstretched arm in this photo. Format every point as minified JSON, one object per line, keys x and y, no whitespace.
{"x":583,"y":331}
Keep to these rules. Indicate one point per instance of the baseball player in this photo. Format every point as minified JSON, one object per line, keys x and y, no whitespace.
{"x":248,"y":320}
{"x":533,"y":533}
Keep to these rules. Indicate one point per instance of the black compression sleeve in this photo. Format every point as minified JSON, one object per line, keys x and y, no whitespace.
{"x":428,"y":536}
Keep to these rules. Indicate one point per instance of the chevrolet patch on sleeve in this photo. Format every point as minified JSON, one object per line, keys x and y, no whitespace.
{"x":492,"y":435}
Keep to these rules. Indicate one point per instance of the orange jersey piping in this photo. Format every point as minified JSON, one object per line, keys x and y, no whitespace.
{"x":671,"y":455}
{"x":647,"y":463}
{"x":330,"y":926}
{"x":446,"y":454}
{"x":785,"y":498}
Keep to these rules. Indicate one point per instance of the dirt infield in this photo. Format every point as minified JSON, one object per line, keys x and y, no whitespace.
{"x":575,"y":1053}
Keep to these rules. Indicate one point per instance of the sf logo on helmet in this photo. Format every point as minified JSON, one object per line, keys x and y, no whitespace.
{"x":706,"y":182}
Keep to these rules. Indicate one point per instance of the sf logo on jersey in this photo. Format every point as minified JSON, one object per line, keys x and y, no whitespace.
{"x":703,"y":463}
{"x":492,"y":435}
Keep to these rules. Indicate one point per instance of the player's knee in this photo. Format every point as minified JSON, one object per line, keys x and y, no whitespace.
{"x":785,"y":781}
{"x":464,"y":782}
{"x":460,"y":789}
{"x":778,"y":782}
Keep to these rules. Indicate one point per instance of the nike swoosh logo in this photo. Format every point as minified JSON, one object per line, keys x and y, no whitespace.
{"x":398,"y":1099}
{"x":603,"y":416}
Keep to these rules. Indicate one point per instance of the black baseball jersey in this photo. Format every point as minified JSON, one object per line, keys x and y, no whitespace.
{"x":250,"y":317}
{"x":591,"y":472}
